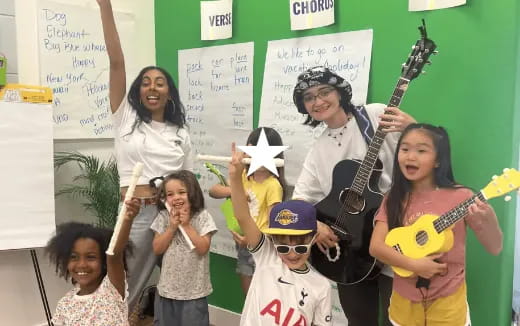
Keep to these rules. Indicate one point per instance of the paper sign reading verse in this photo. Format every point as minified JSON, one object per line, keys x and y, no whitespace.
{"x":215,"y":20}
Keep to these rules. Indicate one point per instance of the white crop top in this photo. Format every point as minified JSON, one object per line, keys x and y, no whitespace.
{"x":161,"y":146}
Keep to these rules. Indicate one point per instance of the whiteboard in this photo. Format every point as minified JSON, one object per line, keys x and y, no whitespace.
{"x":26,"y":171}
{"x":348,"y":54}
{"x":216,"y":86}
{"x":74,"y":63}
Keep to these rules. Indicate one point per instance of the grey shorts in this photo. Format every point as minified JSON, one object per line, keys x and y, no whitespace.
{"x":170,"y":312}
{"x":245,"y":262}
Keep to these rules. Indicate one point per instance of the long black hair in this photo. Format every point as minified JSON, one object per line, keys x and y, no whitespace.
{"x":173,"y":112}
{"x":399,"y":194}
{"x":274,"y":139}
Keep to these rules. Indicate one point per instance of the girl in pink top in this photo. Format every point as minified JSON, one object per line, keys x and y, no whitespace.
{"x":423,"y":183}
{"x":100,"y":295}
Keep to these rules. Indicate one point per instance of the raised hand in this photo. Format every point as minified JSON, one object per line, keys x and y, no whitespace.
{"x":133,"y":206}
{"x":236,"y":167}
{"x":117,"y":78}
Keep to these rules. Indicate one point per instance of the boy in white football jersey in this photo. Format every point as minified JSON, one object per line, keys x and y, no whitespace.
{"x":285,"y":290}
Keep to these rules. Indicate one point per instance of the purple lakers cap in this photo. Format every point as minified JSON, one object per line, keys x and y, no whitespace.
{"x":293,"y":217}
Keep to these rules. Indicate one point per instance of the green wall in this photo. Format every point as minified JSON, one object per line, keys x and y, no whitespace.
{"x":469,"y":89}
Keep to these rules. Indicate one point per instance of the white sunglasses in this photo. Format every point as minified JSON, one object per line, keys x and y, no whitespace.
{"x":299,"y":249}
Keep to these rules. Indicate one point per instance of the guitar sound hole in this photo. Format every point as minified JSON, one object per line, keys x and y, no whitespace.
{"x":421,"y":238}
{"x":353,"y":202}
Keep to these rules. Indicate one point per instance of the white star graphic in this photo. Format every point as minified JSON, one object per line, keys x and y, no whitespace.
{"x":262,"y":154}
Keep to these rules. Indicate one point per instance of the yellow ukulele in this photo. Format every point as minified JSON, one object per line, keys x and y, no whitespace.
{"x":432,"y":234}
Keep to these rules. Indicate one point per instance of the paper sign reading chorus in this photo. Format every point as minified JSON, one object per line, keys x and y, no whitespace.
{"x":306,"y":14}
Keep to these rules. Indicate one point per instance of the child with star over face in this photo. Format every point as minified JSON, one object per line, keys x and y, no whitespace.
{"x":263,"y":190}
{"x":284,"y":288}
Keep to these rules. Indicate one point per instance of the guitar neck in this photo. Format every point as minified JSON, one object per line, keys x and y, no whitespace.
{"x":456,"y":214}
{"x":365,"y":170}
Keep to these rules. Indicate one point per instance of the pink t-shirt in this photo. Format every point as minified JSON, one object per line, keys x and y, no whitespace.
{"x":435,"y":202}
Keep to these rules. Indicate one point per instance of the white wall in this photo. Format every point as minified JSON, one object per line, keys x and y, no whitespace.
{"x":20,"y":302}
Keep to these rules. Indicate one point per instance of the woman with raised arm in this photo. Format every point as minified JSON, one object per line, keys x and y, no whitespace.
{"x":150,"y":127}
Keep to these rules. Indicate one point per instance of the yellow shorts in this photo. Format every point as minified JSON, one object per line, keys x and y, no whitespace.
{"x":452,"y":310}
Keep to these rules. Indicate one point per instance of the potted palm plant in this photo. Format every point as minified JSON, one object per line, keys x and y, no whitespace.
{"x":97,"y":183}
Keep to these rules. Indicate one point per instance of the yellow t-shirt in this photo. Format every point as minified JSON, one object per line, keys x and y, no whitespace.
{"x":260,"y":196}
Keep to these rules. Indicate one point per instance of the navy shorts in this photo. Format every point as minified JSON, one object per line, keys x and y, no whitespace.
{"x":181,"y":312}
{"x":245,"y":262}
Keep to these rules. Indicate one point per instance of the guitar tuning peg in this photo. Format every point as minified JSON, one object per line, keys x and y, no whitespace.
{"x":494,"y":177}
{"x":423,"y":72}
{"x":414,"y":47}
{"x":403,"y":65}
{"x":428,"y":62}
{"x":435,"y":52}
{"x":506,"y":170}
{"x":507,"y":198}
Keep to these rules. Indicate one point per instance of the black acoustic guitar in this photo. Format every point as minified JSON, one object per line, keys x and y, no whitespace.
{"x":350,"y":207}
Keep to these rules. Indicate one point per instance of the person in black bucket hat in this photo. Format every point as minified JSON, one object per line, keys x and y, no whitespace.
{"x":325,"y":97}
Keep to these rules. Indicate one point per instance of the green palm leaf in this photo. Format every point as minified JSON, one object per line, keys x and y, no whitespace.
{"x":97,"y":183}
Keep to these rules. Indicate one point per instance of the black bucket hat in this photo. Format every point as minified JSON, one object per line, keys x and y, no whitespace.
{"x":319,"y":76}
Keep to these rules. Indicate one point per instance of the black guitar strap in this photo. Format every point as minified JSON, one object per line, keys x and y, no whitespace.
{"x":364,"y":123}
